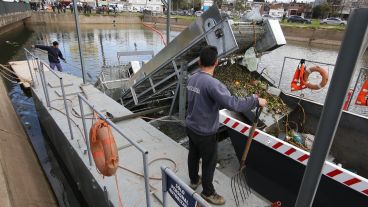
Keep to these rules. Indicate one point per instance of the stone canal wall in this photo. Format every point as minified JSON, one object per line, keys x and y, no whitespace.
{"x":317,"y":36}
{"x":11,"y":21}
{"x":310,"y":35}
{"x":12,"y":15}
{"x":22,"y":182}
{"x":68,"y":18}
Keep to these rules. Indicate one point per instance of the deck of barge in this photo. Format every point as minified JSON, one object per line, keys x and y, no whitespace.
{"x":90,"y":181}
{"x":22,"y":182}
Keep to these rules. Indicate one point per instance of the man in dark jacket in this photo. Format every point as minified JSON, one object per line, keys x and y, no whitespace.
{"x":53,"y":53}
{"x":206,"y":96}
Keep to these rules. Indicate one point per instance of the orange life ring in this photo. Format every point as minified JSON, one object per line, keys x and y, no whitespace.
{"x":323,"y":72}
{"x":362,"y":98}
{"x":103,"y":148}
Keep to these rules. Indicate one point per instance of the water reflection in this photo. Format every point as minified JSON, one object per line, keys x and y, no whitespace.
{"x":99,"y":43}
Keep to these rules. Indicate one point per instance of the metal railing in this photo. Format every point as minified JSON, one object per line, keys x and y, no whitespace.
{"x":353,"y":46}
{"x":298,"y":59}
{"x":33,"y":63}
{"x":114,"y":126}
{"x":44,"y":83}
{"x":38,"y":68}
{"x":319,"y":95}
{"x":287,"y":76}
{"x":12,"y":7}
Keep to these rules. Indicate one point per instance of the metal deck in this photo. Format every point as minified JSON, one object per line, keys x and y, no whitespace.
{"x":99,"y":190}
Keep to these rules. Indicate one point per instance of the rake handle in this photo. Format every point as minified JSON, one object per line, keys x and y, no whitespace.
{"x":250,"y":137}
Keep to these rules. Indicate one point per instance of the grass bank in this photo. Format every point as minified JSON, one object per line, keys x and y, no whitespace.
{"x":314,"y":25}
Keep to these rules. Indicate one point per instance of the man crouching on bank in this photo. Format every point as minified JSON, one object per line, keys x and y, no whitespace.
{"x":206,"y":96}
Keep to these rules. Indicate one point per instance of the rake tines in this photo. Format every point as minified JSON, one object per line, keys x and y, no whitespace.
{"x":239,"y":186}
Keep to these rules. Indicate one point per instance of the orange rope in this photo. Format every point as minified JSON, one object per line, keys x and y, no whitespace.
{"x":117,"y":187}
{"x":158,"y":32}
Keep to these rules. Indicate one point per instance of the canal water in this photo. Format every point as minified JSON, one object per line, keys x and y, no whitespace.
{"x":100,"y":45}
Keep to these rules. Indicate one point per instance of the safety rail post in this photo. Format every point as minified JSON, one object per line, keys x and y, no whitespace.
{"x":352,"y":48}
{"x":146,"y":177}
{"x":168,"y":21}
{"x":164,"y":186}
{"x":79,"y":38}
{"x":85,"y":130}
{"x":42,"y":74}
{"x":29,"y":66}
{"x":282,"y":72}
{"x":31,"y":58}
{"x":43,"y":81}
{"x":132,"y":142}
{"x":66,"y":108}
{"x":167,"y":172}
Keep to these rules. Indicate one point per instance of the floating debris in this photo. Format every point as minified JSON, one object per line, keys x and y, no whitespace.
{"x":241,"y":83}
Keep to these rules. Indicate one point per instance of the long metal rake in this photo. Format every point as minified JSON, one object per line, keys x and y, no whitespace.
{"x":239,"y":184}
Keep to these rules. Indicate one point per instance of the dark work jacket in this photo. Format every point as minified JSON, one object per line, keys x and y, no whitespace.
{"x":52,"y":52}
{"x":206,"y":96}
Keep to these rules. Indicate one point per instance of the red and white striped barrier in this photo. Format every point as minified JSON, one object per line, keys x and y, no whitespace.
{"x":330,"y":170}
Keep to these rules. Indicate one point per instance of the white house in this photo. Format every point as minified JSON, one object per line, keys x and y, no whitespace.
{"x":276,"y":12}
{"x":140,"y":5}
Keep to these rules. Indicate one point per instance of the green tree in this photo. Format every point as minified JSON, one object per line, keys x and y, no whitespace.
{"x":185,"y":4}
{"x":239,"y":5}
{"x":317,"y":12}
{"x":321,"y":11}
{"x":325,"y":10}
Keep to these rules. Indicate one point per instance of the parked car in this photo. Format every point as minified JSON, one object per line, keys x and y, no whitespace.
{"x":198,"y":13}
{"x":334,"y":21}
{"x":133,"y":9}
{"x":147,"y":12}
{"x":298,"y":19}
{"x":180,"y":12}
{"x":111,"y":8}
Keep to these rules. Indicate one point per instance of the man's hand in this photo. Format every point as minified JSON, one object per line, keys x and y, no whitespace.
{"x":64,"y":60}
{"x":262,"y":102}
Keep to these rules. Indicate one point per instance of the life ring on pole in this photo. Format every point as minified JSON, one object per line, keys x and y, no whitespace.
{"x":362,"y":98}
{"x":298,"y":82}
{"x":323,"y":72}
{"x":103,"y":148}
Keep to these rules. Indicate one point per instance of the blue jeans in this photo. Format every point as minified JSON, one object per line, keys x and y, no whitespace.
{"x":58,"y":66}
